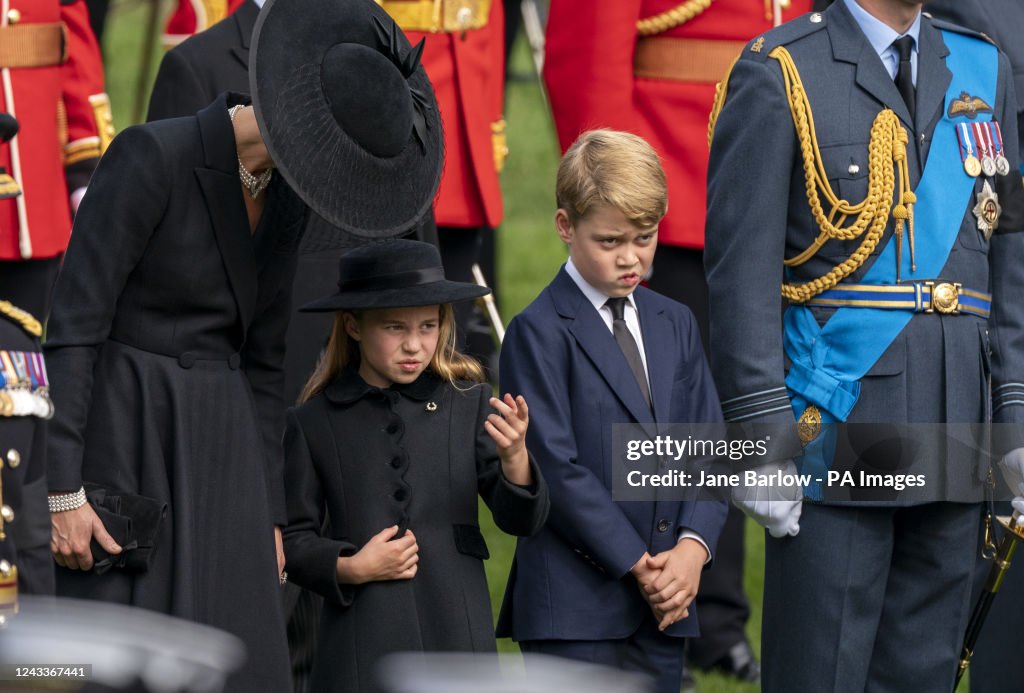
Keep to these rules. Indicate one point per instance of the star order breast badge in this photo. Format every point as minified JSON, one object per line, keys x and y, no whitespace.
{"x":987,"y":210}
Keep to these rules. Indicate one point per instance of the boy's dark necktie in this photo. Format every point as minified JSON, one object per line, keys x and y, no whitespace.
{"x":628,"y":344}
{"x":905,"y":74}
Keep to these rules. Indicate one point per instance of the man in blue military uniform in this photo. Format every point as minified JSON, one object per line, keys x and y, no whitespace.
{"x":875,"y":161}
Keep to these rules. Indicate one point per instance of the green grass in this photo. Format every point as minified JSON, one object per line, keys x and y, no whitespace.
{"x":529,"y":252}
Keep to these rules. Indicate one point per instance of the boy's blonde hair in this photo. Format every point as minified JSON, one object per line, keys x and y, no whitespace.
{"x":341,"y":350}
{"x":613,"y":168}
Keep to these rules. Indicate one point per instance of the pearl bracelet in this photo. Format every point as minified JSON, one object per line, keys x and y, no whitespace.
{"x":63,"y":502}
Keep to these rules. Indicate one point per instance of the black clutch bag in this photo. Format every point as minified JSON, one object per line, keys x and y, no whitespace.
{"x":133,"y":521}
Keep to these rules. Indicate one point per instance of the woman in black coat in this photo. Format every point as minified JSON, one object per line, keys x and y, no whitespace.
{"x":164,"y":353}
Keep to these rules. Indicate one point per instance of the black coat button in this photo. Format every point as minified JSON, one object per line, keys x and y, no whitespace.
{"x":234,"y":361}
{"x":663,"y":525}
{"x":392,"y":429}
{"x":399,"y":495}
{"x":187,"y":359}
{"x":396,"y":461}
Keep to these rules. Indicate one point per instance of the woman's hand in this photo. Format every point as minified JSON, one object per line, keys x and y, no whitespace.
{"x":71,"y":533}
{"x":381,"y":559}
{"x":508,"y":429}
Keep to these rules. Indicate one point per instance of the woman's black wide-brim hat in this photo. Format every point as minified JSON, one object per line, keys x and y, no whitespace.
{"x":347,"y":113}
{"x":393,"y":274}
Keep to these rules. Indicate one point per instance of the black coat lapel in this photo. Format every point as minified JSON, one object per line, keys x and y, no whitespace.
{"x":245,"y":21}
{"x":222,"y":193}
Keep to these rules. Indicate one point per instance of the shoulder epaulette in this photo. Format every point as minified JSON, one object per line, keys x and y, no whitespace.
{"x":784,"y":34}
{"x":950,"y":26}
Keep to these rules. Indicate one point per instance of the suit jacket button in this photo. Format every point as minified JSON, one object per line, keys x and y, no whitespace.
{"x":663,"y":525}
{"x":234,"y":361}
{"x":399,"y":495}
{"x":396,"y":461}
{"x":187,"y":359}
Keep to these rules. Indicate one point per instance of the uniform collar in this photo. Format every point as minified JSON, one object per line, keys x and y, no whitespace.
{"x":350,"y":387}
{"x":879,"y":34}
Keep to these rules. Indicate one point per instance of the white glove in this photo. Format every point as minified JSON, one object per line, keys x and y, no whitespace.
{"x":1012,"y":467}
{"x":775,"y":508}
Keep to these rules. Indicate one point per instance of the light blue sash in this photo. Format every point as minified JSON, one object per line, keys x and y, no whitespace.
{"x":828,"y":362}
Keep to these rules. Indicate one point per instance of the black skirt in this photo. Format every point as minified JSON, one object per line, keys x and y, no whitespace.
{"x":186,"y":433}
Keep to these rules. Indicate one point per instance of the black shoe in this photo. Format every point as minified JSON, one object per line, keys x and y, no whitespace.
{"x":740,"y":663}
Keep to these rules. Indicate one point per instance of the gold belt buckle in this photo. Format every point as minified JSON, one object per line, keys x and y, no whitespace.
{"x":945,"y":298}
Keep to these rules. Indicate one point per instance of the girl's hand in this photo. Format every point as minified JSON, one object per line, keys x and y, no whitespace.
{"x":381,"y":559}
{"x":508,"y":429}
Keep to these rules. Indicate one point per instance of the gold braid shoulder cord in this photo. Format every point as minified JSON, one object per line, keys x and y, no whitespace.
{"x":669,"y":19}
{"x":684,"y":12}
{"x":23,"y":318}
{"x":887,"y":146}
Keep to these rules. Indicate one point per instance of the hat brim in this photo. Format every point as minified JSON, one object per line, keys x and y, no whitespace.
{"x":444,"y":291}
{"x":363,"y":194}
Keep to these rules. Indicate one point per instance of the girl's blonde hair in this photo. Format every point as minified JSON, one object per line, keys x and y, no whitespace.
{"x":342,"y":350}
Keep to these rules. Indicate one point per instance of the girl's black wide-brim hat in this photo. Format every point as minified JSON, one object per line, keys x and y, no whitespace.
{"x":347,"y":113}
{"x":393,"y":274}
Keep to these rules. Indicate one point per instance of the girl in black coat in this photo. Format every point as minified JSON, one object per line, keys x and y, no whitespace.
{"x":396,"y":438}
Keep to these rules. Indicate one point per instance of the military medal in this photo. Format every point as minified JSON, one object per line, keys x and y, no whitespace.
{"x":1002,"y":163}
{"x":987,"y":211}
{"x":988,"y":162}
{"x":971,"y":164}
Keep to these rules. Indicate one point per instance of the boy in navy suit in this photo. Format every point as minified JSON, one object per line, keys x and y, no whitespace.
{"x":605,"y":581}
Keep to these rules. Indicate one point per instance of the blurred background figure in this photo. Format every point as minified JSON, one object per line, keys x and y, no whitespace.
{"x":650,"y":67}
{"x":53,"y":84}
{"x":996,"y":662}
{"x":124,"y":648}
{"x":98,"y":18}
{"x":25,"y":563}
{"x":465,"y":60}
{"x":192,"y":16}
{"x":444,"y":672}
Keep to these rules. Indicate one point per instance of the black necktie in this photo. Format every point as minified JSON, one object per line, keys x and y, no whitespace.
{"x":628,"y":344}
{"x":905,"y":73}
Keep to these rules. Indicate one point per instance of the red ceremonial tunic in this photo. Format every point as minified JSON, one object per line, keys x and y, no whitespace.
{"x":467,"y":71}
{"x":64,"y":114}
{"x":589,"y":71}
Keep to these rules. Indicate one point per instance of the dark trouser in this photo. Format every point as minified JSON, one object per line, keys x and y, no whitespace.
{"x":997,"y":665}
{"x":647,"y":651}
{"x":721,"y":602}
{"x":28,"y":284}
{"x":868,"y":599}
{"x":460,"y":248}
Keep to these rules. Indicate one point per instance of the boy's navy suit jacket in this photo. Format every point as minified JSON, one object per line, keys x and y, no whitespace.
{"x":571,"y":581}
